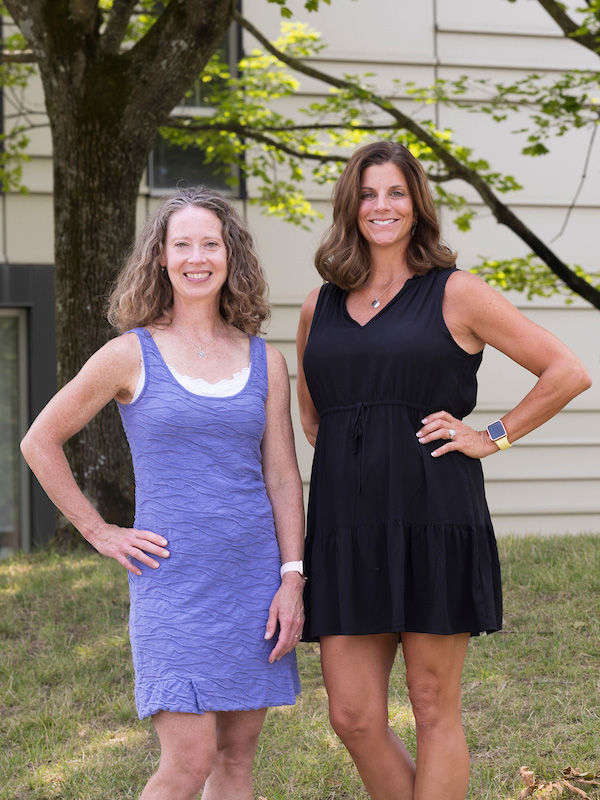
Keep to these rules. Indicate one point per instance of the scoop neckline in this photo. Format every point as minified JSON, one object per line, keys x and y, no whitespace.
{"x":174,"y":380}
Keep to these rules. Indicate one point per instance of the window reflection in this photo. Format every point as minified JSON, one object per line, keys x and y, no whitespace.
{"x":9,"y":435}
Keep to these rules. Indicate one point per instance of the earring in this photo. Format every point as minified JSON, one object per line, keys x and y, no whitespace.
{"x":413,"y":228}
{"x":162,"y":269}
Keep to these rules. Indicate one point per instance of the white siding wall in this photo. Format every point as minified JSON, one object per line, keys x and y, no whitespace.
{"x":550,"y":481}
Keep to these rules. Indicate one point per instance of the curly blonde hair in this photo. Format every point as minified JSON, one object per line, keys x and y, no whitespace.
{"x":142,"y":293}
{"x":343,"y":257}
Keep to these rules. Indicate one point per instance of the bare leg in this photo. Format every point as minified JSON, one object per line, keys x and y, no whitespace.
{"x":433,"y":674}
{"x":356,"y":671}
{"x":237,"y":740}
{"x":188,"y":753}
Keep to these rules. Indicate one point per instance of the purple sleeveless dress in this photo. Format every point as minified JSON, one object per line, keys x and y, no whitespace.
{"x":197,"y":623}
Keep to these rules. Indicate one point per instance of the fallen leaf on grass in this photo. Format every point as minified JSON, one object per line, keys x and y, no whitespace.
{"x":575,"y":790}
{"x":582,"y":777}
{"x":527,"y":776}
{"x":552,"y":789}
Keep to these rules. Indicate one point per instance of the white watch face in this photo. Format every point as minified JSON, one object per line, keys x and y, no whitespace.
{"x":496,"y":430}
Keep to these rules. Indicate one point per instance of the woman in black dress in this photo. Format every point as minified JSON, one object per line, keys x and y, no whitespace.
{"x":400,"y":545}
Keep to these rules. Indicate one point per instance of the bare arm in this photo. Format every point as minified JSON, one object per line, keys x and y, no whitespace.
{"x":477,"y":315}
{"x":308,"y":413}
{"x":109,"y":373}
{"x":284,"y":488}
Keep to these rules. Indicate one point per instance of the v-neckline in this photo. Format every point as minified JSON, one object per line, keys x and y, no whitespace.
{"x":379,"y":313}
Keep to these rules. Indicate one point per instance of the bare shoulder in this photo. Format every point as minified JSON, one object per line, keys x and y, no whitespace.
{"x":469,"y":296}
{"x":123,"y":352}
{"x":276,"y":362}
{"x":466,"y":284}
{"x":309,"y":305}
{"x":307,"y":313}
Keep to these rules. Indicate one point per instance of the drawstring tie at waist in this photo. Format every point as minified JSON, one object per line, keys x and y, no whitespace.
{"x":355,"y":429}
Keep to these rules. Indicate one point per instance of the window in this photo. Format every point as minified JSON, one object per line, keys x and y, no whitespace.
{"x":170,"y":166}
{"x":14,"y":500}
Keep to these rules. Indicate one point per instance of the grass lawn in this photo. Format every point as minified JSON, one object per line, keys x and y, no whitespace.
{"x":69,"y":730}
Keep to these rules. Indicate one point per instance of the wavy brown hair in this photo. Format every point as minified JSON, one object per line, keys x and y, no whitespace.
{"x":143,"y":294}
{"x":343,"y":256}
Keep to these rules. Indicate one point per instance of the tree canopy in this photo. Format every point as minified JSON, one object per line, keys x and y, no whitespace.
{"x":281,"y":150}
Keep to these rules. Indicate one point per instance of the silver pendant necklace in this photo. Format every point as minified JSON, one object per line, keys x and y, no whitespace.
{"x":376,"y":302}
{"x":199,"y":347}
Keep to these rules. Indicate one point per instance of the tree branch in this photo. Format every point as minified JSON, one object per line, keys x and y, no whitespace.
{"x":86,"y":13}
{"x":116,"y":26}
{"x":502,"y":213}
{"x":17,"y":57}
{"x":173,"y":51}
{"x":246,"y":132}
{"x":568,"y":25}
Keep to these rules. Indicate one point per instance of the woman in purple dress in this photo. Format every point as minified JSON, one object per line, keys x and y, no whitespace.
{"x":215,"y":555}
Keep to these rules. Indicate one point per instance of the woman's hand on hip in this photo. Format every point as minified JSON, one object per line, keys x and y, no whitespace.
{"x":287,"y":609}
{"x":457,"y":436}
{"x":124,"y":543}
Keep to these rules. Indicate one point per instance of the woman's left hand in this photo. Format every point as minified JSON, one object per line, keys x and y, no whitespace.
{"x":287,"y":609}
{"x":458,"y":436}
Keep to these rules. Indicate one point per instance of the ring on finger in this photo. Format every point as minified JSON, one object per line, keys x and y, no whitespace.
{"x":451,"y":433}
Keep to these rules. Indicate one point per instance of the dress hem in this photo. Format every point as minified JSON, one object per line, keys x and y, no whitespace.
{"x":400,"y":630}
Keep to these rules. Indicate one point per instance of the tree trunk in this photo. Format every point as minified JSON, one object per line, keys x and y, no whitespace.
{"x":95,"y":190}
{"x":105,"y":104}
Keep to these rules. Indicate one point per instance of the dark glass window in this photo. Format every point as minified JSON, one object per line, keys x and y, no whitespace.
{"x":170,"y":166}
{"x":12,"y":401}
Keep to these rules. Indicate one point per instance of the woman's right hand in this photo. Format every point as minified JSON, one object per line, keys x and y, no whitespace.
{"x":125,"y":543}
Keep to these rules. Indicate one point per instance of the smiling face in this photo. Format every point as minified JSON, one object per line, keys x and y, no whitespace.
{"x":385,"y":214}
{"x":194,"y":253}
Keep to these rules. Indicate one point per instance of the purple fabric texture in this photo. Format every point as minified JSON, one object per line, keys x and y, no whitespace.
{"x":197,"y":623}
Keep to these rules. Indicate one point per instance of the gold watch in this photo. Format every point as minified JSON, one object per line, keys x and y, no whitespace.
{"x":498,"y":435}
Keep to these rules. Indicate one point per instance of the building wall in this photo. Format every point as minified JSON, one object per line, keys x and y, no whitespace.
{"x":550,"y":481}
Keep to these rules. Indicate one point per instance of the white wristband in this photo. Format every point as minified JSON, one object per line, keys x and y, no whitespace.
{"x":292,"y":566}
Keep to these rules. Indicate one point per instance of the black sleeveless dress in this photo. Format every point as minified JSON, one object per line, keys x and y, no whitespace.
{"x":397,"y":540}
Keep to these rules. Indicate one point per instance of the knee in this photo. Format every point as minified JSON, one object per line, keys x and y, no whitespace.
{"x":190,"y":771}
{"x":433,"y":703}
{"x":353,"y":724}
{"x":237,"y":758}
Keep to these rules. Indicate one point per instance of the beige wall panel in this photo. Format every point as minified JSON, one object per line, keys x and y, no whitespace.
{"x":502,"y":383}
{"x":384,"y":77}
{"x":571,"y":523}
{"x":526,"y":461}
{"x":519,"y":52}
{"x":524,"y":17}
{"x":544,"y":497}
{"x":29,"y":224}
{"x":375,"y":30}
{"x":488,"y":239}
{"x":38,"y":176}
{"x":32,"y":99}
{"x":574,"y":426}
{"x":546,"y":180}
{"x":288,"y":348}
{"x":145,"y":204}
{"x":283,"y":323}
{"x":492,"y":73}
{"x":286,"y":252}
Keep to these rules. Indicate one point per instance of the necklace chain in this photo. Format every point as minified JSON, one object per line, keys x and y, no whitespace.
{"x":376,"y":303}
{"x":199,"y":347}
